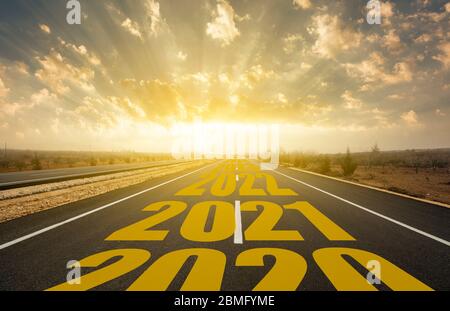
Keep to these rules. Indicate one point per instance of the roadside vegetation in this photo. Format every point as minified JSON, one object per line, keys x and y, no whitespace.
{"x":22,"y":160}
{"x":420,"y":173}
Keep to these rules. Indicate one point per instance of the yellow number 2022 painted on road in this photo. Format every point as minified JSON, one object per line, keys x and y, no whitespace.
{"x":207,"y":272}
{"x":225,"y":185}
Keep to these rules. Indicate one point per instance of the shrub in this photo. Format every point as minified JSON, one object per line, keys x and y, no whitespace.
{"x":348,"y":165}
{"x":4,"y":163}
{"x":36,"y":163}
{"x":93,"y":161}
{"x":20,"y":165}
{"x":324,"y":165}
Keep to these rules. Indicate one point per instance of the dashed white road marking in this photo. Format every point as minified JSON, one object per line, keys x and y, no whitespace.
{"x":59,"y":224}
{"x":428,"y":235}
{"x":238,"y":223}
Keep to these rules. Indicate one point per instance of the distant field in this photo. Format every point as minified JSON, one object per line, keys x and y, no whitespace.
{"x":21,"y":160}
{"x":426,"y":183}
{"x":420,"y":173}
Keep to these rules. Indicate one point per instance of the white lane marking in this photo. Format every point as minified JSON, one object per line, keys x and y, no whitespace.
{"x":238,"y":223}
{"x":428,"y":235}
{"x":33,"y":234}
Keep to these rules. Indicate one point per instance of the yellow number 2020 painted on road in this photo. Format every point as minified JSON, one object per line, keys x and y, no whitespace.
{"x":207,"y":272}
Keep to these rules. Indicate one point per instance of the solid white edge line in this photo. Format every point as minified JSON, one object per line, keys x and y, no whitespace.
{"x":33,"y":234}
{"x":371,"y":187}
{"x":238,"y":223}
{"x":428,"y":235}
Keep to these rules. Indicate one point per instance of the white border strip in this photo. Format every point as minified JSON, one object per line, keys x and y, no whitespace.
{"x":59,"y":224}
{"x":428,"y":235}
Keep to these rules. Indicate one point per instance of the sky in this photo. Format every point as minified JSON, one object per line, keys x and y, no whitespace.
{"x":131,"y":69}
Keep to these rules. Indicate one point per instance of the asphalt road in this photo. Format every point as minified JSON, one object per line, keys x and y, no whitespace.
{"x":323,"y":242}
{"x":28,"y":178}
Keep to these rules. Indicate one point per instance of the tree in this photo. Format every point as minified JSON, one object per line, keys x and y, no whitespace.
{"x":93,"y":161}
{"x":324,"y":165}
{"x":36,"y":163}
{"x":374,"y":155}
{"x":20,"y":165}
{"x":4,"y":163}
{"x":348,"y":165}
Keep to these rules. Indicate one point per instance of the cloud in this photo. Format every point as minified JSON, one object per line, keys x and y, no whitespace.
{"x":396,"y":96}
{"x":392,"y":41}
{"x":153,"y":12}
{"x":181,"y":55}
{"x":372,"y":71}
{"x":440,"y":113}
{"x":58,"y":74}
{"x":128,"y":107}
{"x":290,"y":42}
{"x":423,"y":38}
{"x":132,"y":27}
{"x":302,"y":4}
{"x":387,"y":11}
{"x":42,"y":97}
{"x":401,"y":73}
{"x":350,"y":102}
{"x":255,"y":74}
{"x":95,"y":113}
{"x":332,"y":36}
{"x":410,"y":118}
{"x":45,"y":28}
{"x":444,"y":55}
{"x":3,"y":89}
{"x":10,"y":109}
{"x":223,"y":27}
{"x":21,"y":68}
{"x":82,"y":51}
{"x":157,"y":99}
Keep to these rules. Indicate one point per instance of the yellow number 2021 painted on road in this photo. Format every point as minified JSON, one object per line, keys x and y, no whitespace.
{"x":223,"y":223}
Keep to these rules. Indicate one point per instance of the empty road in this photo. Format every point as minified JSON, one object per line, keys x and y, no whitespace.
{"x":28,"y":178}
{"x":230,"y":226}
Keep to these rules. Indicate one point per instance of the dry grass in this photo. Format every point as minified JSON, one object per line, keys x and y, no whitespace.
{"x":427,"y":183}
{"x":20,"y":202}
{"x":23,"y":160}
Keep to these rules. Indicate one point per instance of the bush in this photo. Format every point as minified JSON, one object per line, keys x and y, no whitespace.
{"x":36,"y":163}
{"x":4,"y":163}
{"x":93,"y":162}
{"x":348,"y":165}
{"x":20,"y":165}
{"x":324,"y":165}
